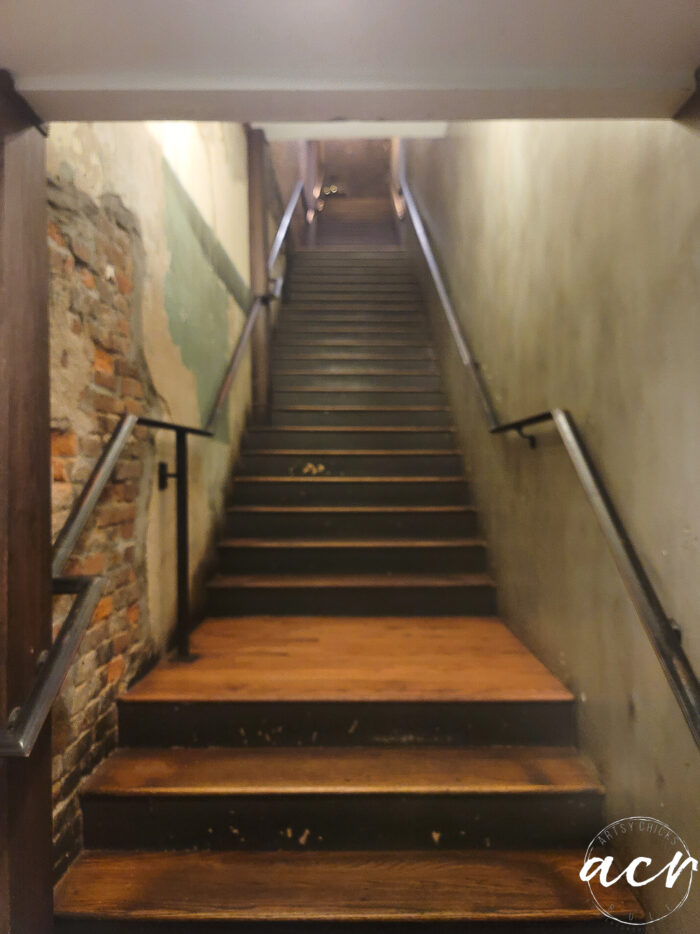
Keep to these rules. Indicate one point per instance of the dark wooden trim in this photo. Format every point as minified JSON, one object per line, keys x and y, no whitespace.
{"x":14,"y":108}
{"x":25,"y":510}
{"x":257,"y":219}
{"x":689,"y":112}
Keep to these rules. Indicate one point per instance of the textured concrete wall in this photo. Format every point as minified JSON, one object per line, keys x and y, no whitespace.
{"x":572,"y":251}
{"x":150,"y":266}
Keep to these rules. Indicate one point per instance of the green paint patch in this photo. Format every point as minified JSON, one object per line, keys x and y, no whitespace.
{"x":196,"y":298}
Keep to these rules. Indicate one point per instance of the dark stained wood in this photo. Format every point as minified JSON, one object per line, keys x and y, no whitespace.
{"x":348,"y":543}
{"x":339,"y":771}
{"x":257,"y":222}
{"x":25,"y":579}
{"x":292,"y":659}
{"x":352,"y":580}
{"x":340,"y":886}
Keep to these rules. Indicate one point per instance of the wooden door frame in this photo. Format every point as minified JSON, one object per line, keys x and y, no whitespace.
{"x":26,"y":901}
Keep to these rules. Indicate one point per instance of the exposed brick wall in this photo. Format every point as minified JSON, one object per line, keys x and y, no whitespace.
{"x":98,"y":372}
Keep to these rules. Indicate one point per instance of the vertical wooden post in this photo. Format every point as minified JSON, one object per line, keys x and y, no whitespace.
{"x":257,"y":212}
{"x":25,"y":510}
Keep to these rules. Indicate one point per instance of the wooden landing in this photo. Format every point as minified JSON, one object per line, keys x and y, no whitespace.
{"x":262,"y":658}
{"x":483,"y":885}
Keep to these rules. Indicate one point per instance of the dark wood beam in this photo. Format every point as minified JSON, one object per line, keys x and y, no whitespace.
{"x":25,"y":509}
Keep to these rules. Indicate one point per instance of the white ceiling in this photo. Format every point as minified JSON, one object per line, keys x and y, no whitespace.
{"x":307,"y":60}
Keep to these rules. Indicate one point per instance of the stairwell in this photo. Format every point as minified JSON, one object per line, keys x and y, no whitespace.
{"x":359,"y":742}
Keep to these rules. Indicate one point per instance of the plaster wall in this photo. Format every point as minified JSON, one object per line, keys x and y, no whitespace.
{"x":187,"y":185}
{"x":572,"y":253}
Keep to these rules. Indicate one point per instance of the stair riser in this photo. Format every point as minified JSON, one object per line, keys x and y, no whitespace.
{"x":314,"y":723}
{"x":348,"y":493}
{"x":346,"y":465}
{"x":409,"y":440}
{"x":349,"y":306}
{"x":193,"y":926}
{"x":352,"y":601}
{"x":397,"y":329}
{"x":299,"y":417}
{"x":358,"y":560}
{"x":376,"y":397}
{"x":281,"y":365}
{"x":351,"y":525}
{"x":368,"y":355}
{"x":353,"y":381}
{"x":345,"y":821}
{"x":366,"y":292}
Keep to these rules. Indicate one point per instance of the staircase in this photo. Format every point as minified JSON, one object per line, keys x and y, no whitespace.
{"x":359,"y":743}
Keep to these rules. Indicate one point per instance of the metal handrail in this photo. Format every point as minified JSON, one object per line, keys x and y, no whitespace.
{"x":25,"y":723}
{"x":662,"y":631}
{"x":284,"y":226}
{"x":90,"y":494}
{"x":259,"y":303}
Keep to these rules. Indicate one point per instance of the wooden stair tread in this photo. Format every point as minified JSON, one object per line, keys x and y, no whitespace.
{"x":344,"y":510}
{"x":337,"y":770}
{"x":408,"y":478}
{"x":306,"y":581}
{"x":331,"y":886}
{"x":349,"y":452}
{"x":350,"y":542}
{"x":292,"y":658}
{"x":417,"y":429}
{"x":360,"y":408}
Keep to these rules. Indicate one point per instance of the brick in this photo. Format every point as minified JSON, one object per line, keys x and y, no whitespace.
{"x":64,"y":444}
{"x":84,"y":669}
{"x":128,"y":470}
{"x":103,"y":362}
{"x":104,"y":608}
{"x":121,"y":642}
{"x":124,"y":283}
{"x":133,"y":614}
{"x":87,"y":565}
{"x":61,"y":496}
{"x":87,"y":278}
{"x":115,"y":669}
{"x":60,"y":261}
{"x":105,"y":381}
{"x":101,"y":402}
{"x":58,"y":469}
{"x":133,"y":406}
{"x":132,"y":387}
{"x":116,"y":514}
{"x":54,"y":233}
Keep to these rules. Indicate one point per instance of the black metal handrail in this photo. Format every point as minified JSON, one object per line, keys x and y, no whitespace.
{"x":662,"y":631}
{"x":24,"y":723}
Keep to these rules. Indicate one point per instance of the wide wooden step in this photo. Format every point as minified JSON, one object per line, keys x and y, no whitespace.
{"x":346,"y":681}
{"x":344,"y":521}
{"x":466,"y":887}
{"x":352,"y":556}
{"x":341,"y":798}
